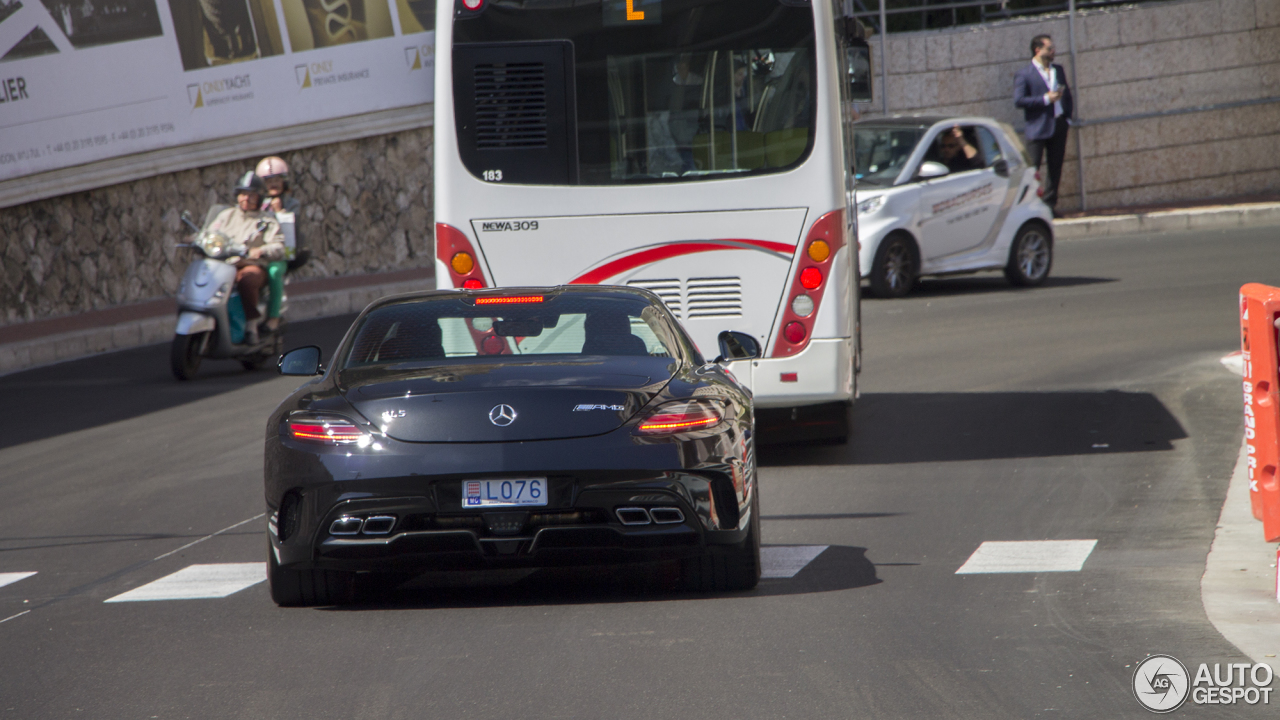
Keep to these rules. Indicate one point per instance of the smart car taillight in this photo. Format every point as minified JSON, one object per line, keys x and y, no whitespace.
{"x":682,"y":416}
{"x":323,"y":429}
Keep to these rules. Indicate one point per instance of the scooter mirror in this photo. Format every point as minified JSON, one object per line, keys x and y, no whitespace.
{"x":300,"y":361}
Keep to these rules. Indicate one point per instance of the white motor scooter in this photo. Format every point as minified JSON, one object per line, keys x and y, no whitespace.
{"x":211,"y":321}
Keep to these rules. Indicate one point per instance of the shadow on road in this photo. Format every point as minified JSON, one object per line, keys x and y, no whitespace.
{"x":978,"y":284}
{"x":837,"y":568}
{"x":99,"y":390}
{"x":893,"y":428}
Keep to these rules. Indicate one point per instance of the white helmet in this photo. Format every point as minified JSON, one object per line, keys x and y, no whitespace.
{"x":271,"y":166}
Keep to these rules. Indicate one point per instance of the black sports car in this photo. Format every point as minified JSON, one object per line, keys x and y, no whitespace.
{"x":518,"y":427}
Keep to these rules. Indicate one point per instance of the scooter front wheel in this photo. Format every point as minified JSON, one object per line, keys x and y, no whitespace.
{"x":184,"y":355}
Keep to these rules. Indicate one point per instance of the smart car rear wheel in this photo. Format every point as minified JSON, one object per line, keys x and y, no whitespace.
{"x":308,"y":587}
{"x":1030,"y":256}
{"x":721,"y":569}
{"x":893,"y":272}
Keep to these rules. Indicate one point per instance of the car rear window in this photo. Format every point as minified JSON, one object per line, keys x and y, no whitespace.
{"x":445,"y":328}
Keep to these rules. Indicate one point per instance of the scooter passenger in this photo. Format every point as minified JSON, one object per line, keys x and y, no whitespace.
{"x":241,"y":225}
{"x":274,"y":172}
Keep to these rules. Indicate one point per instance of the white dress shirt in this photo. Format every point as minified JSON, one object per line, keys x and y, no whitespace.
{"x":1051,"y":81}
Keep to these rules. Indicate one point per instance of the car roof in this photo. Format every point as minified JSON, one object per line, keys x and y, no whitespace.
{"x":599,"y":290}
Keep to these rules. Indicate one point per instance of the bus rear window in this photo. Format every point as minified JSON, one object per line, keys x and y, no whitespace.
{"x":691,"y":90}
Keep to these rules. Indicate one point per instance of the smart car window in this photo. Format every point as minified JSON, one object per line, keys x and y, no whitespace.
{"x":448,"y":328}
{"x":881,"y":152}
{"x":991,"y":151}
{"x":960,"y":152}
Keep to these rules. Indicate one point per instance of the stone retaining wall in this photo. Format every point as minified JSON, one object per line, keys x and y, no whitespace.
{"x":367,"y":207}
{"x":1132,"y":60}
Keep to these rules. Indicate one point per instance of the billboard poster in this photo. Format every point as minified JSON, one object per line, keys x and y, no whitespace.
{"x":89,"y":80}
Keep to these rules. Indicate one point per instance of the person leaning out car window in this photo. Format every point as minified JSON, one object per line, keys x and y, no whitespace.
{"x":957,"y":152}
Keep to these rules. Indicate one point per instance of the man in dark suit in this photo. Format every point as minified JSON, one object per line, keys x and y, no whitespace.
{"x":1040,"y":89}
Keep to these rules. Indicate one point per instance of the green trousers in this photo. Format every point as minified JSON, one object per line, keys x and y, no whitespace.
{"x":275,"y":277}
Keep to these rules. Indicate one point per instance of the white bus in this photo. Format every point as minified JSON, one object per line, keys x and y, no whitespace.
{"x":695,"y":148}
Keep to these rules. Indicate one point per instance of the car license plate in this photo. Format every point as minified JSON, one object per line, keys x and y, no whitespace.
{"x":510,"y":492}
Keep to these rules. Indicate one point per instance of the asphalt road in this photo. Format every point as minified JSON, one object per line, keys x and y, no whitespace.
{"x":1093,"y":408}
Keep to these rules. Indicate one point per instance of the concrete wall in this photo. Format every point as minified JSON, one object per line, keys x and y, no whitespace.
{"x":1132,"y":60}
{"x":367,"y":207}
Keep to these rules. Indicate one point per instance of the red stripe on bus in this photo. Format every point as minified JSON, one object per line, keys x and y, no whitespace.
{"x":663,"y":252}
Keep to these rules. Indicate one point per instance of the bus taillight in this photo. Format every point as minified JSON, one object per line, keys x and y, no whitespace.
{"x":813,"y":267}
{"x":462,"y":263}
{"x":795,"y":332}
{"x":454,"y":250}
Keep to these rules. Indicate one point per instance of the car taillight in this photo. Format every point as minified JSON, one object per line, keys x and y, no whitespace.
{"x":813,"y":267}
{"x":682,"y":416}
{"x":324,"y":429}
{"x":510,"y":300}
{"x":454,"y":250}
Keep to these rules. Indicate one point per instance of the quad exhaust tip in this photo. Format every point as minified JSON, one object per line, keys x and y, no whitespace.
{"x":666,"y":515}
{"x":657,"y":516}
{"x":376,"y":525}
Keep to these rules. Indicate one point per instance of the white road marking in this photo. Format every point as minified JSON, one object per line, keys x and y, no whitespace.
{"x":198,"y":581}
{"x":212,"y":535}
{"x":786,"y":561}
{"x":1028,"y":556}
{"x":13,"y":577}
{"x":24,"y":612}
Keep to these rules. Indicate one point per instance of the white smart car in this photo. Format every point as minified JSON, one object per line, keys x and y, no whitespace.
{"x":947,"y":195}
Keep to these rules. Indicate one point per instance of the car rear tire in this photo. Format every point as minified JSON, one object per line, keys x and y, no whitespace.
{"x":725,"y":569}
{"x":299,"y":588}
{"x":1030,"y":256}
{"x":893,"y":272}
{"x":184,"y":355}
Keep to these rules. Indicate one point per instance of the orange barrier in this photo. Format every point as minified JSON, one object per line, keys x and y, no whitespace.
{"x":1259,"y":313}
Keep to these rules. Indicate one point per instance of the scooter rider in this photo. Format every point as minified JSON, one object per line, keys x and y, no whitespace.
{"x":241,"y":225}
{"x":274,"y":172}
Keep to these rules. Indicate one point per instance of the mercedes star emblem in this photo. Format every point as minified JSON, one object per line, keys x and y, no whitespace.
{"x":502,"y":415}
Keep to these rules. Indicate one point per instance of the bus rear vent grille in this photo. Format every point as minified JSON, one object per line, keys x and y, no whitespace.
{"x":511,"y":105}
{"x":714,"y":297}
{"x":668,"y":290}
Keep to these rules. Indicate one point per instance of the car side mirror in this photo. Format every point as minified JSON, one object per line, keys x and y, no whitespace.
{"x":301,"y":361}
{"x":737,"y":346}
{"x":1001,"y":167}
{"x":930,"y":169}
